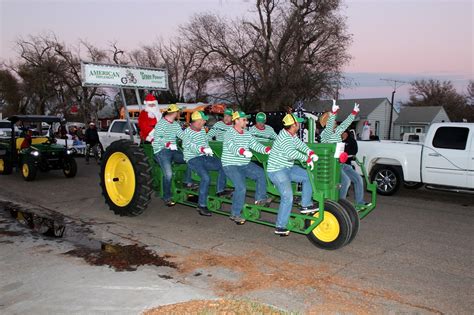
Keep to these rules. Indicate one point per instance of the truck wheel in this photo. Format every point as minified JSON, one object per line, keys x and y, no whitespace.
{"x":125,"y":178}
{"x":28,"y":170}
{"x":387,"y":178}
{"x":412,"y":185}
{"x":334,"y":231}
{"x":70,"y":167}
{"x":353,"y":215}
{"x":5,"y":165}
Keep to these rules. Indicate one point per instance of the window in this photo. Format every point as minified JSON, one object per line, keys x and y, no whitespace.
{"x":118,"y":126}
{"x":454,"y":138}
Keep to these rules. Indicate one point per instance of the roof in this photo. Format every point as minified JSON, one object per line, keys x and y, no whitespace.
{"x":34,"y":118}
{"x":367,"y":106}
{"x":417,"y":114}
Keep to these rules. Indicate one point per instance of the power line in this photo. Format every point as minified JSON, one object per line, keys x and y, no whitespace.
{"x":396,"y":84}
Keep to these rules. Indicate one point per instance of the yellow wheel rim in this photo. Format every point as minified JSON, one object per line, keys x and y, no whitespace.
{"x":328,"y":230}
{"x":25,"y":170}
{"x":119,"y":178}
{"x":2,"y":165}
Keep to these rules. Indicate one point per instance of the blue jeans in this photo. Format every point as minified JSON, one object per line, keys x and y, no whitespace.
{"x":202,"y":165}
{"x":348,"y":175}
{"x":165,"y":158}
{"x":282,"y":180}
{"x":238,"y":175}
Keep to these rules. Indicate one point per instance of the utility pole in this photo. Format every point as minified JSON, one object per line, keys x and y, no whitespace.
{"x":396,"y":84}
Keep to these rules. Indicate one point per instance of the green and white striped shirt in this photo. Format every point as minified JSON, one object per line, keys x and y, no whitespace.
{"x":328,"y":135}
{"x":165,"y":131}
{"x":265,"y":134}
{"x":218,"y":130}
{"x":234,"y":142}
{"x":193,"y":141}
{"x":285,"y":150}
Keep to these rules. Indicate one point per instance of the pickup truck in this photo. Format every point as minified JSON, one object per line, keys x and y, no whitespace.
{"x":445,"y":160}
{"x":119,"y":129}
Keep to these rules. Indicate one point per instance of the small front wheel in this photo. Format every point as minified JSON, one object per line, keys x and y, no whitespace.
{"x":5,"y":165}
{"x":334,"y":231}
{"x":353,"y":215}
{"x":70,"y":167}
{"x":28,"y":170}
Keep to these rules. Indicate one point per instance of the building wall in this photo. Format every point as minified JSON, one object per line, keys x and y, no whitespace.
{"x":442,"y":116}
{"x":381,"y":114}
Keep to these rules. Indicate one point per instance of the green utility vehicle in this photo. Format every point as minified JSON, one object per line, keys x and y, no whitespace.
{"x":36,"y":149}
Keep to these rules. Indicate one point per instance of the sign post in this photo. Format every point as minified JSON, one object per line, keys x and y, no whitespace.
{"x":121,"y":76}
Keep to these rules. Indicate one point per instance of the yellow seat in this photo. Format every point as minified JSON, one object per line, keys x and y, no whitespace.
{"x":36,"y":140}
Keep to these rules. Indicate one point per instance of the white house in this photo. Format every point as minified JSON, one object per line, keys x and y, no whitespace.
{"x":374,"y":110}
{"x":417,"y":119}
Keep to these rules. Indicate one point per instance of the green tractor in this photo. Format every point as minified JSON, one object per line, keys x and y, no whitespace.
{"x":40,"y":151}
{"x":130,"y":176}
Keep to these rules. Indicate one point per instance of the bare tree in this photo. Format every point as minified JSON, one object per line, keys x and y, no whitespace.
{"x":470,"y":93}
{"x":440,"y":93}
{"x":291,"y":50}
{"x":180,"y":59}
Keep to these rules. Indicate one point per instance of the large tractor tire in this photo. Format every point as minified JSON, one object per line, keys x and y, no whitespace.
{"x":5,"y":165}
{"x":28,"y":170}
{"x":353,"y":215}
{"x":387,"y":178}
{"x":125,"y":178}
{"x":334,"y":231}
{"x":70,"y":167}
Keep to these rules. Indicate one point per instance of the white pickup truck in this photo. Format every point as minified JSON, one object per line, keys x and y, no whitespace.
{"x":119,"y":129}
{"x":445,"y":160}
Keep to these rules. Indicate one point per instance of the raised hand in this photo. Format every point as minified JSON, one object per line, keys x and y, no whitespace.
{"x":356,"y":109}
{"x":335,"y":107}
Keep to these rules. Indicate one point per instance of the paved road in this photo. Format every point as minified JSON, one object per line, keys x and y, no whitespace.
{"x":413,"y":254}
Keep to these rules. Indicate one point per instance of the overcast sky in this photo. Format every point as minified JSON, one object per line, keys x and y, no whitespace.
{"x":396,"y":39}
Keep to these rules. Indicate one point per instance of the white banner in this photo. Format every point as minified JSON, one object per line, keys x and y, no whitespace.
{"x":94,"y":74}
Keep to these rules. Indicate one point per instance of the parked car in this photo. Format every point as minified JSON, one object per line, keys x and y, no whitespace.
{"x":6,"y":129}
{"x":119,"y":129}
{"x":445,"y":160}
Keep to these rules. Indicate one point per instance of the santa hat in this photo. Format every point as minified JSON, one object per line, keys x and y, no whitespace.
{"x":150,"y":100}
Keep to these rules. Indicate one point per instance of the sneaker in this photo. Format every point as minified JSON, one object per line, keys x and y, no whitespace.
{"x":309,"y":209}
{"x":265,"y":202}
{"x":237,"y":220}
{"x":170,"y":203}
{"x":364,"y":205}
{"x":204,"y":211}
{"x":225,"y":192}
{"x":192,"y":186}
{"x":282,"y":231}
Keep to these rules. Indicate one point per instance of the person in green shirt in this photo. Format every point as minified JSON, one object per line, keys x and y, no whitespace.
{"x":260,"y":130}
{"x":165,"y":148}
{"x":217,"y":131}
{"x":282,"y":171}
{"x":199,"y":157}
{"x":236,"y":161}
{"x":332,"y":133}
